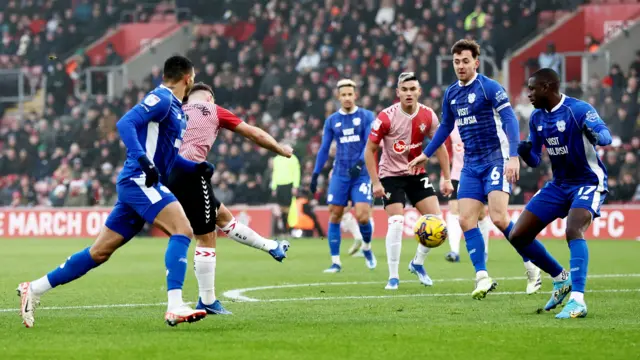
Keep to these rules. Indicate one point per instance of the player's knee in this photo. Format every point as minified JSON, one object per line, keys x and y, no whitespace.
{"x":363,"y":217}
{"x":467,"y":222}
{"x":573,"y":232}
{"x":335,"y":217}
{"x":499,"y":219}
{"x":184,"y":228}
{"x":100,"y":254}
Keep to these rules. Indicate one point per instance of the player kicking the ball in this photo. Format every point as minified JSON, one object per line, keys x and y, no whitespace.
{"x":489,"y":130}
{"x":152,"y":132}
{"x":570,"y":129}
{"x":350,"y":127}
{"x":402,"y":128}
{"x":195,"y":192}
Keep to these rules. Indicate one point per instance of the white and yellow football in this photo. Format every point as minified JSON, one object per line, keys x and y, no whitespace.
{"x":430,"y":231}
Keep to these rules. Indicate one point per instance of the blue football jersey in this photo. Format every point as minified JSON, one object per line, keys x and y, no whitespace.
{"x":350,"y":131}
{"x":159,"y":124}
{"x":475,"y":109}
{"x":573,"y":158}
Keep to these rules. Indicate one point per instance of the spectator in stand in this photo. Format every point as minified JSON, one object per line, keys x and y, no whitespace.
{"x":551,"y":59}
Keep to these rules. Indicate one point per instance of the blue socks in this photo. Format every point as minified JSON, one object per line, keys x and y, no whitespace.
{"x":334,"y":236}
{"x":76,"y":266}
{"x":506,"y":233}
{"x":541,"y":258}
{"x":365,"y":231}
{"x":175,"y":260}
{"x":475,"y":247}
{"x":578,"y":262}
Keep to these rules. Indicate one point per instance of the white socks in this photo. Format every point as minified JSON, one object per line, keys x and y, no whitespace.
{"x":577,"y":296}
{"x":564,"y":275}
{"x":394,"y":244}
{"x":455,"y":232}
{"x":40,"y":286}
{"x":175,"y":299}
{"x":421,"y":254}
{"x":204,"y":263}
{"x":529,"y":266}
{"x":245,"y":235}
{"x":485,"y":226}
{"x":350,"y":224}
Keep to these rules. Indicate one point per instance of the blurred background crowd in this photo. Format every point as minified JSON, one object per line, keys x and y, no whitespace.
{"x":275,"y":66}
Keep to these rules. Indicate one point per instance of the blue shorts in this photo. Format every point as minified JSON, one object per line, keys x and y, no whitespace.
{"x":477,"y":181}
{"x":554,"y":201}
{"x":343,"y":188}
{"x":136,"y":205}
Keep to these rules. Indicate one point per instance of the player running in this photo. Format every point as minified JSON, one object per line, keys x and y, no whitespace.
{"x":152,"y":131}
{"x":570,"y":129}
{"x":350,"y":127}
{"x":195,"y":192}
{"x":489,"y":130}
{"x":454,"y":232}
{"x":402,"y":128}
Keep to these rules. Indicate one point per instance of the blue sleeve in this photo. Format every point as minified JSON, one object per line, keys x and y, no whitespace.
{"x":185,"y":165}
{"x":152,"y":108}
{"x":595,"y":123}
{"x":500,"y":102}
{"x":447,"y":124}
{"x":535,"y":155}
{"x":323,"y":153}
{"x":370,"y":118}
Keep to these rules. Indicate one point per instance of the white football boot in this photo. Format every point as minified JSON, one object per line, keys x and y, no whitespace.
{"x":534,"y":280}
{"x":183,"y":314}
{"x":28,"y":303}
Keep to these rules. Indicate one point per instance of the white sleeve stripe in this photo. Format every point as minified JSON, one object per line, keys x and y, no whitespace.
{"x":503,"y":106}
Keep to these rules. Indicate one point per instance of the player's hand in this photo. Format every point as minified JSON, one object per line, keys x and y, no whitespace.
{"x":294,"y":191}
{"x":205,"y":169}
{"x":356,"y":170}
{"x":446,"y":187}
{"x":378,"y":190}
{"x":524,"y":148}
{"x":512,"y":170}
{"x":286,"y":151}
{"x":150,"y":170}
{"x":591,"y":135}
{"x":313,"y":186}
{"x":417,"y":163}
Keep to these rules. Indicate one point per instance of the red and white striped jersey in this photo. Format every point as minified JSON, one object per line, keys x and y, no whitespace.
{"x":402,"y":135}
{"x":204,"y":122}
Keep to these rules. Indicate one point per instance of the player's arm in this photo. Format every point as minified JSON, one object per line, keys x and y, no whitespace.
{"x":500,"y":102}
{"x":594,"y":128}
{"x":530,"y":150}
{"x":261,"y":138}
{"x":323,"y":154}
{"x":379,"y":130}
{"x":444,"y":130}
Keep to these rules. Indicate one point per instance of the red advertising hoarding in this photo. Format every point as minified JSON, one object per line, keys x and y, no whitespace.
{"x":620,"y":222}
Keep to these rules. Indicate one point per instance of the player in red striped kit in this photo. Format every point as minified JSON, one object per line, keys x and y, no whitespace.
{"x":204,"y":211}
{"x":400,"y":130}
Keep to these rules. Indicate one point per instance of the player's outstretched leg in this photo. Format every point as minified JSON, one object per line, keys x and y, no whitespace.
{"x":76,"y":266}
{"x":172,"y":220}
{"x":522,"y":237}
{"x":245,"y":235}
{"x":498,"y":203}
{"x":349,"y":224}
{"x":578,"y":222}
{"x":454,"y":232}
{"x":362,"y":216}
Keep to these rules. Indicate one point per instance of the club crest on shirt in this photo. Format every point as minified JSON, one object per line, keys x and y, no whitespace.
{"x":356,"y":121}
{"x":423,"y":127}
{"x":561,"y":125}
{"x":471,"y":98}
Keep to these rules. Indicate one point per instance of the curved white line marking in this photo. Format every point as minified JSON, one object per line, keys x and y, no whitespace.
{"x":239,"y":294}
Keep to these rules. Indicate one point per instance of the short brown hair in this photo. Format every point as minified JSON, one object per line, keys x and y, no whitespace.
{"x":199,"y":86}
{"x":464,"y":44}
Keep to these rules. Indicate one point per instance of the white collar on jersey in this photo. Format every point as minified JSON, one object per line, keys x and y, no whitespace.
{"x":555,"y":108}
{"x":470,"y":81}
{"x":353,"y":111}
{"x":171,"y":91}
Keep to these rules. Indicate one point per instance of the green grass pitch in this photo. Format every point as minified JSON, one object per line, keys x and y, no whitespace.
{"x":116,"y":311}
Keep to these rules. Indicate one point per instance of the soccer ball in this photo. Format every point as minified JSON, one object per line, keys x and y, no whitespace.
{"x":430,"y":231}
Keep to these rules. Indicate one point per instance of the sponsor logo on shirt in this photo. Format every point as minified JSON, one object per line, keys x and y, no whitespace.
{"x":591,"y":116}
{"x":151,"y":100}
{"x":501,"y":96}
{"x":400,"y":146}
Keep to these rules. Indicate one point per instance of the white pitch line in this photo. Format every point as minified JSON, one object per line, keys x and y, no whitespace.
{"x":238,"y":294}
{"x":363,"y":297}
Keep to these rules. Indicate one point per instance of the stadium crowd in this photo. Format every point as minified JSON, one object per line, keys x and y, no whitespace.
{"x":276,"y":67}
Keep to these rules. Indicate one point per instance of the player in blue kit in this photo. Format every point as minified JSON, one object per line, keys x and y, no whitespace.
{"x":350,"y":127}
{"x":569,"y":129}
{"x":488,"y":127}
{"x":152,"y":131}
